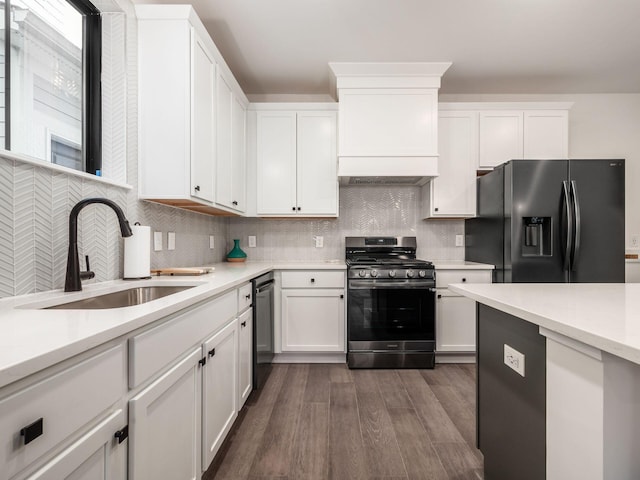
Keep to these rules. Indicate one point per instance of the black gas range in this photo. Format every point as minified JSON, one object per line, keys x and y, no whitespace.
{"x":390,"y":304}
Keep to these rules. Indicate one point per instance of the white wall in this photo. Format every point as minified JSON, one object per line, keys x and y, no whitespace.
{"x":600,"y":126}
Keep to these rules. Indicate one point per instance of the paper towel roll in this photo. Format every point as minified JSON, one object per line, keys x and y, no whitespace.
{"x":137,"y":253}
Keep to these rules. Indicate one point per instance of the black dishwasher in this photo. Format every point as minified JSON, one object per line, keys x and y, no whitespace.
{"x":262,"y":328}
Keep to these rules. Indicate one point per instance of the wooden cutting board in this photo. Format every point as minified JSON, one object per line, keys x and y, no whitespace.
{"x":182,"y":271}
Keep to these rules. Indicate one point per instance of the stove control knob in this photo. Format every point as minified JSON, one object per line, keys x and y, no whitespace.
{"x":392,"y":273}
{"x":374,"y":273}
{"x":362,"y":273}
{"x":422,"y":274}
{"x":410,"y":273}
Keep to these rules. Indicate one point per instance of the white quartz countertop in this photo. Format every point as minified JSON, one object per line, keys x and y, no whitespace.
{"x":460,"y":265}
{"x":605,"y":316}
{"x":32,"y":339}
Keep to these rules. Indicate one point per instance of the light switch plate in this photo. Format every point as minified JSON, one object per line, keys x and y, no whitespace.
{"x":319,"y":241}
{"x":459,"y":240}
{"x":514,"y":359}
{"x":212,"y":241}
{"x":635,"y":240}
{"x":252,"y":241}
{"x":157,"y":241}
{"x":171,"y":240}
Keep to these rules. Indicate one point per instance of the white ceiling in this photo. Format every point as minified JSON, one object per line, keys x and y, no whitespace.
{"x":496,"y":46}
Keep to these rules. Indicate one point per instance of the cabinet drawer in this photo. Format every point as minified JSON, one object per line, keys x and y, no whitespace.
{"x":244,"y":297}
{"x":313,"y":279}
{"x":151,"y":351}
{"x":65,"y":402}
{"x":445,"y":277}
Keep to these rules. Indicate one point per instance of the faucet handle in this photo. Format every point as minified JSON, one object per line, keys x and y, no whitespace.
{"x":88,"y":273}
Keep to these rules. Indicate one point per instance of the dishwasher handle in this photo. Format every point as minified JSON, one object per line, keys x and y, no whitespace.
{"x":264,"y":286}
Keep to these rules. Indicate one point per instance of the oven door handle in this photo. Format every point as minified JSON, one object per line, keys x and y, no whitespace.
{"x":393,"y":284}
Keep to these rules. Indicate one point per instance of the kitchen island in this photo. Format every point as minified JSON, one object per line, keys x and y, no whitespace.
{"x":558,"y":379}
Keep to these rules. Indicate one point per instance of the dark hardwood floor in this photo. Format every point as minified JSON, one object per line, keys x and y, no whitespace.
{"x":317,"y":422}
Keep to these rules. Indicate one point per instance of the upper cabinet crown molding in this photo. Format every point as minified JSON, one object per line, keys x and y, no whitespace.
{"x":484,"y":106}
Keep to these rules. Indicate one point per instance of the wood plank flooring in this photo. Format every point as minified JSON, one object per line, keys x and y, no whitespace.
{"x":321,"y":422}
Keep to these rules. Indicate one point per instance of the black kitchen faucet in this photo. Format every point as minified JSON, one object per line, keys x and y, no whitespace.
{"x":73,"y":280}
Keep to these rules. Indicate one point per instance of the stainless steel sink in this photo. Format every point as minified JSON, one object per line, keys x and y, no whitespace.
{"x":123,"y":298}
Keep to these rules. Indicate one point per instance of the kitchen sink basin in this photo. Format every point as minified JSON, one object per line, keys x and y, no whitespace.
{"x":123,"y":298}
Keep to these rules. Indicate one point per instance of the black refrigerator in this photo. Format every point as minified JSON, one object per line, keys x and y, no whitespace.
{"x":550,"y":221}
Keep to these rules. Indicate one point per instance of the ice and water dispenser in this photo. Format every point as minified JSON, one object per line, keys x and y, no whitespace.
{"x":536,"y":238}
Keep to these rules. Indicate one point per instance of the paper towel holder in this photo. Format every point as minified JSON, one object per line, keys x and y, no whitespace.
{"x":137,"y":254}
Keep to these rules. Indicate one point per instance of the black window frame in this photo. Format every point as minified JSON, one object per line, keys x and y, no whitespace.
{"x":91,"y":82}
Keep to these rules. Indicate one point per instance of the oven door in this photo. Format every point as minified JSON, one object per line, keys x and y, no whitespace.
{"x":391,"y":314}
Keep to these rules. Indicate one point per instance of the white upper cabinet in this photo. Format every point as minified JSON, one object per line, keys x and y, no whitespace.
{"x":501,"y":135}
{"x":546,"y":134}
{"x":296,"y":163}
{"x":535,"y":131}
{"x":453,"y":192}
{"x":231,"y":138}
{"x":189,"y":132}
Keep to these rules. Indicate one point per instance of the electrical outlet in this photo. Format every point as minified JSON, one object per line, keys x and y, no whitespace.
{"x":252,"y":241}
{"x":171,"y":240}
{"x":157,"y":241}
{"x":319,"y":241}
{"x":212,"y":242}
{"x":459,"y":240}
{"x":514,"y":359}
{"x":635,"y":240}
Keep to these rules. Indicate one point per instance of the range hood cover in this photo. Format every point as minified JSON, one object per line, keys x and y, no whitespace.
{"x":387,"y":170}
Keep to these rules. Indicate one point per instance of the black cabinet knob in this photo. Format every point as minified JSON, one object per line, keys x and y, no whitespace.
{"x":122,"y":435}
{"x":247,"y":296}
{"x":234,"y":202}
{"x":299,"y":208}
{"x":313,"y":280}
{"x":212,"y":352}
{"x":203,"y":361}
{"x":435,"y":209}
{"x":439,"y":296}
{"x":244,"y":324}
{"x":197,"y":188}
{"x":464,"y":279}
{"x":293,"y":208}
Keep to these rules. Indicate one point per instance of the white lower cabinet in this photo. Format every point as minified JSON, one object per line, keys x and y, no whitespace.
{"x":455,"y":323}
{"x":220,"y":387}
{"x":312,"y":311}
{"x":245,"y":356}
{"x":164,"y":424}
{"x":455,"y":314}
{"x":95,"y":456}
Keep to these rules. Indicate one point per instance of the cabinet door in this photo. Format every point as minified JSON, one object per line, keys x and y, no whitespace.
{"x":453,"y":191}
{"x":95,"y":456}
{"x":455,"y":323}
{"x":317,"y":166}
{"x":164,"y":424}
{"x":546,"y":134}
{"x":276,"y":162}
{"x":220,"y":389}
{"x":313,"y":320}
{"x":202,"y":123}
{"x":500,"y":137}
{"x":239,"y":155}
{"x":245,"y":364}
{"x":224,"y":160}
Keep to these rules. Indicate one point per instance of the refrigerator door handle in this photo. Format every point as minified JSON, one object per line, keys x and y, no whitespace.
{"x":567,"y":203}
{"x":576,"y":213}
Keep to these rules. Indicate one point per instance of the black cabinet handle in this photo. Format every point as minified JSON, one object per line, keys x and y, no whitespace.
{"x":247,"y":296}
{"x":244,"y":324}
{"x":32,"y":431}
{"x":464,"y":279}
{"x":202,"y":361}
{"x":341,"y":296}
{"x":122,"y":435}
{"x":234,"y":202}
{"x":197,"y":188}
{"x":435,"y":209}
{"x":313,"y":280}
{"x":212,"y":352}
{"x":439,"y":296}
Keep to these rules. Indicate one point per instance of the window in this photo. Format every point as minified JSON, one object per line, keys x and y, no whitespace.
{"x":50,"y":68}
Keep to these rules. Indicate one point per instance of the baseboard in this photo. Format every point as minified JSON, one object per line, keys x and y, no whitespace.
{"x":310,"y":358}
{"x":456,"y":357}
